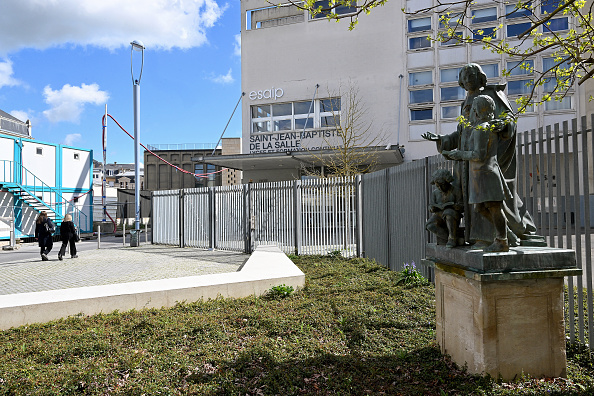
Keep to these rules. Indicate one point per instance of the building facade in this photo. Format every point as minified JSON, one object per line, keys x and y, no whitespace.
{"x":160,"y":175}
{"x":296,"y":70}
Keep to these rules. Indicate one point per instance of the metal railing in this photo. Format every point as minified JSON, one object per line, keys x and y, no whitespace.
{"x":182,"y":146}
{"x":15,"y":176}
{"x":310,"y":217}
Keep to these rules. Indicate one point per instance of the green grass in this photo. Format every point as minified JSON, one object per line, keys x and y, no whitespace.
{"x":350,"y":331}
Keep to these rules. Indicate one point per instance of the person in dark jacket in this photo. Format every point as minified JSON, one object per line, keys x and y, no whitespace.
{"x":44,"y":228}
{"x":68,"y":235}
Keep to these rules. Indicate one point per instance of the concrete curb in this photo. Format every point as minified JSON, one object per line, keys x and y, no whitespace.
{"x":268,"y":266}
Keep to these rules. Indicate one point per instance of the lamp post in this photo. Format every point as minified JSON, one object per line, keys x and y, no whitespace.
{"x":137,"y":46}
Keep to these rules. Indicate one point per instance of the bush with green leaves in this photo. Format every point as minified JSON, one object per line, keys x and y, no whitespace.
{"x":280,"y":291}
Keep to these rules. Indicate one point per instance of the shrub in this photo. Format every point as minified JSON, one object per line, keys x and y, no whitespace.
{"x":280,"y":291}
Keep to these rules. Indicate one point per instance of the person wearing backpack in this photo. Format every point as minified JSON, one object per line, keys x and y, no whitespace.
{"x":44,"y":229}
{"x":68,"y":234}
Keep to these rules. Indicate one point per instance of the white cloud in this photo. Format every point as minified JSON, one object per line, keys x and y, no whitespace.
{"x":6,"y":72}
{"x":21,"y":115}
{"x":160,"y":24}
{"x":224,"y":79}
{"x":72,"y":138}
{"x":237,"y":45}
{"x":67,"y":103}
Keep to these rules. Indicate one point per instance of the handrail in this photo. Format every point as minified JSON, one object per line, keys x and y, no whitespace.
{"x":43,"y":188}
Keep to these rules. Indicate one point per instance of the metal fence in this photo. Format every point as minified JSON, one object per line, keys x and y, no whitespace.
{"x":316,"y":216}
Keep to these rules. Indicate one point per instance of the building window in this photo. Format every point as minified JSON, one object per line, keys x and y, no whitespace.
{"x":513,"y":30}
{"x":296,"y":115}
{"x":39,"y":151}
{"x":339,"y":9}
{"x":421,"y":114}
{"x":520,"y":87}
{"x":421,"y":96}
{"x":449,"y":75}
{"x":452,"y":93}
{"x":419,"y":25}
{"x":479,"y":34}
{"x":450,"y":111}
{"x":76,"y":156}
{"x":515,"y":106}
{"x":420,"y":78}
{"x":419,"y":43}
{"x":491,"y":69}
{"x":450,"y":21}
{"x":512,"y":11}
{"x":563,"y":104}
{"x":519,"y":68}
{"x":549,"y":64}
{"x":455,"y":39}
{"x":484,"y":15}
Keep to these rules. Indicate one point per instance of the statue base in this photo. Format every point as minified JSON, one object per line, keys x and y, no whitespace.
{"x":502,"y":313}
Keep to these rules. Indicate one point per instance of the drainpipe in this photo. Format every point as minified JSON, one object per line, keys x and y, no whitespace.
{"x":400,"y":77}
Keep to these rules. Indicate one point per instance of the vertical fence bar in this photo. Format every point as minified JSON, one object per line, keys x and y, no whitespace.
{"x":358,"y":215}
{"x":588,"y":245}
{"x":541,"y":183}
{"x":549,"y":180}
{"x":558,"y":178}
{"x":181,"y":218}
{"x":568,"y":226}
{"x":534,"y":180}
{"x":528,"y":174}
{"x":578,"y":217}
{"x":297,"y":215}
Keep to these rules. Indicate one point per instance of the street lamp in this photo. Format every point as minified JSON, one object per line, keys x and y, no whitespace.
{"x":137,"y":46}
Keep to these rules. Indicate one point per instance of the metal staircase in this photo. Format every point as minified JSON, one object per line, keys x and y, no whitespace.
{"x":29,"y":189}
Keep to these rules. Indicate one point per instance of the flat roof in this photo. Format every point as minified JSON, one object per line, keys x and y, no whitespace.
{"x":391,"y":155}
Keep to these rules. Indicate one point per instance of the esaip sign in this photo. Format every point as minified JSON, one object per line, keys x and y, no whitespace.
{"x":272,"y":93}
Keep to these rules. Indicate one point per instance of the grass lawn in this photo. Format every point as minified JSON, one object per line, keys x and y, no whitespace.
{"x":351,"y":331}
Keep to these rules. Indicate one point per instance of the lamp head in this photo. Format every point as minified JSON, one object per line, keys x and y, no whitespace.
{"x":137,"y":45}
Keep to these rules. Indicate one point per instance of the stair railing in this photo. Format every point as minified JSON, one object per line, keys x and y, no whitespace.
{"x":29,"y":179}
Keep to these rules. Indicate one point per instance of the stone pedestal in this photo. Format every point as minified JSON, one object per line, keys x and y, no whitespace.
{"x":502,"y":313}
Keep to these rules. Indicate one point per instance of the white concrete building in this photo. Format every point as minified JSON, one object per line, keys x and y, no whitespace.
{"x":408,"y":84}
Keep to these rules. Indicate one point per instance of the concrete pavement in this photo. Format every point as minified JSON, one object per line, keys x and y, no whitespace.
{"x":22,"y":271}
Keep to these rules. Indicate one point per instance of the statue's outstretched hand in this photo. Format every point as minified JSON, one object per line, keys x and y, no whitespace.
{"x":454,"y":155}
{"x":430,"y":136}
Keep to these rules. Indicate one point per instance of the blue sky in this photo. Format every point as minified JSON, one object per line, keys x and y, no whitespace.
{"x":61,"y":61}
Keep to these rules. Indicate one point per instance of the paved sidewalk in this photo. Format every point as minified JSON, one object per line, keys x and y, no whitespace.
{"x":111,"y":265}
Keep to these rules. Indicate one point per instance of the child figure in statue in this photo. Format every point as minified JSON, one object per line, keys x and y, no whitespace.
{"x":486,"y":185}
{"x":447,"y":205}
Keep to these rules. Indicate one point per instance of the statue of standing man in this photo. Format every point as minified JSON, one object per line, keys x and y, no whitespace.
{"x":478,"y":228}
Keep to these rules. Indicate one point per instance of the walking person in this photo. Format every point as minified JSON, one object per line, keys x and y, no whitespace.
{"x":44,"y":229}
{"x":68,"y":234}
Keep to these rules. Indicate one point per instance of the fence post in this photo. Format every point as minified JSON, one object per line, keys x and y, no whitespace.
{"x":358,"y":216}
{"x":98,"y":236}
{"x":152,"y":216}
{"x":387,"y":214}
{"x":181,"y":218}
{"x":247,"y":228}
{"x":297,"y":216}
{"x":123,"y":231}
{"x":212,"y":217}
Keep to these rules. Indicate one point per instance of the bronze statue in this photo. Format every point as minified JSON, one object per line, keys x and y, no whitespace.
{"x":446,"y":205}
{"x":486,"y":185}
{"x":478,"y":229}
